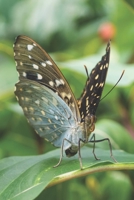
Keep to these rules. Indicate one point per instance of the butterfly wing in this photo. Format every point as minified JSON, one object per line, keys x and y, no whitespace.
{"x":48,"y":114}
{"x":91,"y":95}
{"x":33,"y":63}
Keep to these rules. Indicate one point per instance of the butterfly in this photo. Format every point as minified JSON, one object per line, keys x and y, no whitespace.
{"x":49,"y":103}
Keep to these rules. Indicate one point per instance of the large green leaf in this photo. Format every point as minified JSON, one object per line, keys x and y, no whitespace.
{"x":26,"y":177}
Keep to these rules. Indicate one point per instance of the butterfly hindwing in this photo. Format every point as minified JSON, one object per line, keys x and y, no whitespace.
{"x":46,"y":111}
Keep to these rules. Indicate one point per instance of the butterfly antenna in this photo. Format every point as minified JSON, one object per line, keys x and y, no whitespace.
{"x":114,"y":85}
{"x":86,"y":70}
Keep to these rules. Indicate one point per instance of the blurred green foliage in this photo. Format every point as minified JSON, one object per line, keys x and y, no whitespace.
{"x":110,"y":185}
{"x":69,"y":31}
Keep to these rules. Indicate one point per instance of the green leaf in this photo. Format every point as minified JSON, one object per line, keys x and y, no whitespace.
{"x":112,"y":78}
{"x":118,"y":135}
{"x":130,"y":3}
{"x":26,"y":177}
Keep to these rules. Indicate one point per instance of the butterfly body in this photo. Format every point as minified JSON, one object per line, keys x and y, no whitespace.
{"x":82,"y":133}
{"x":48,"y":101}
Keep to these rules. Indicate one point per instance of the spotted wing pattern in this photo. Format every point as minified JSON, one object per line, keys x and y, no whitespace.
{"x":48,"y":114}
{"x":47,"y":100}
{"x":92,"y":92}
{"x":33,"y":63}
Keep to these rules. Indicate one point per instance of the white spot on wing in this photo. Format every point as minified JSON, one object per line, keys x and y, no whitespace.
{"x":49,"y":62}
{"x":42,"y":112}
{"x":25,"y":108}
{"x":87,"y":102}
{"x":56,"y":117}
{"x":72,"y":105}
{"x":57,"y":82}
{"x":101,"y":85}
{"x":40,"y":129}
{"x":51,"y":83}
{"x":93,"y":71}
{"x":47,"y":127}
{"x":26,"y":99}
{"x":96,"y":84}
{"x":62,"y":82}
{"x":35,"y":66}
{"x":54,"y":101}
{"x":101,"y":67}
{"x":39,"y":77}
{"x":43,"y":64}
{"x":30,"y":57}
{"x":106,"y":65}
{"x":30,"y":47}
{"x":39,"y":119}
{"x":35,"y":87}
{"x":51,"y":111}
{"x":49,"y":120}
{"x":18,"y":53}
{"x":69,"y":96}
{"x":44,"y":99}
{"x":24,"y":74}
{"x":97,"y":76}
{"x":31,"y":109}
{"x":91,"y":88}
{"x":37,"y":102}
{"x":20,"y":89}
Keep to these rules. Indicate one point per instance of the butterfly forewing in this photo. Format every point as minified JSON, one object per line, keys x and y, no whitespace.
{"x":91,"y":95}
{"x":33,"y":63}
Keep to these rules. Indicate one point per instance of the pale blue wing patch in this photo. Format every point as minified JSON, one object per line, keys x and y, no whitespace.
{"x":48,"y":114}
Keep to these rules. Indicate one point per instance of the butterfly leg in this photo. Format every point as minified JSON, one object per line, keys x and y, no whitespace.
{"x":61,"y":155}
{"x":79,"y":153}
{"x":105,"y":139}
{"x":94,"y":141}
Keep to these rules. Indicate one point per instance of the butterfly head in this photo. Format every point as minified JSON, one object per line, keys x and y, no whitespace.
{"x":89,"y":125}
